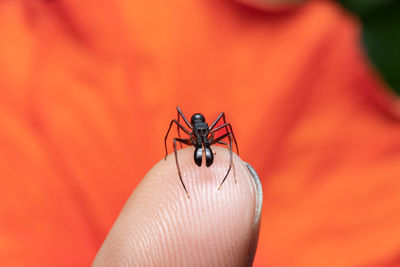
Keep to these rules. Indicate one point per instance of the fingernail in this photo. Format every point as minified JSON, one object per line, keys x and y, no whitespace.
{"x":257,"y":213}
{"x":259,"y":193}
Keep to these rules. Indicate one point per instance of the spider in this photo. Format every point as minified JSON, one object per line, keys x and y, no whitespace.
{"x":201,"y":136}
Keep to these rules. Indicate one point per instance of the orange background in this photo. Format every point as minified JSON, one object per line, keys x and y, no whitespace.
{"x":87,"y":89}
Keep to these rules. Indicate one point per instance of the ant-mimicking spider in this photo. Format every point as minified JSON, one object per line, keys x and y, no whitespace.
{"x":201,"y":136}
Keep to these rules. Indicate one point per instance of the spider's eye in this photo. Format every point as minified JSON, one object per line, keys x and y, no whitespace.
{"x":203,"y":131}
{"x":198,"y":131}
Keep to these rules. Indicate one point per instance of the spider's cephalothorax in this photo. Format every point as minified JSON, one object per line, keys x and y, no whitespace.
{"x":201,"y":136}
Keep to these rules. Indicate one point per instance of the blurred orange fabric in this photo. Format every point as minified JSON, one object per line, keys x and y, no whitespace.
{"x":87,"y":91}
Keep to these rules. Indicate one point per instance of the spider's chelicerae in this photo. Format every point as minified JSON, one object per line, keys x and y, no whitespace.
{"x":201,"y":136}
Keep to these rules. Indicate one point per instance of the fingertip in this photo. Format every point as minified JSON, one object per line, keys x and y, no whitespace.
{"x":161,"y":224}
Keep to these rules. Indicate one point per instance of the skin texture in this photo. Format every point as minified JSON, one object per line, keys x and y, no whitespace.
{"x":160,"y":226}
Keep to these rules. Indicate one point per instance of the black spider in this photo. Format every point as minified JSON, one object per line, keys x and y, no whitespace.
{"x":201,"y":136}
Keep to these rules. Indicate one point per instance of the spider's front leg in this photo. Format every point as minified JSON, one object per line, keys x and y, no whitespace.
{"x":218,"y":140}
{"x":211,"y":141}
{"x":231,"y":160}
{"x":186,"y":142}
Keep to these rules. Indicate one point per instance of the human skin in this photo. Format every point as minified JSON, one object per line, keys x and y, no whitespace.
{"x":160,"y":226}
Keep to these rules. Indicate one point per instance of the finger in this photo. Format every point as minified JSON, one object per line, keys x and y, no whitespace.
{"x":160,"y":226}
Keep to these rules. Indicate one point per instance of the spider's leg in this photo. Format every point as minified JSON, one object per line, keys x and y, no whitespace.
{"x":177,"y":128}
{"x":187,"y":142}
{"x":186,"y":121}
{"x":218,"y":141}
{"x":166,"y":136}
{"x":230,"y":160}
{"x":230,"y":152}
{"x":228,"y":128}
{"x":222,"y":115}
{"x":184,"y":118}
{"x":211,"y":139}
